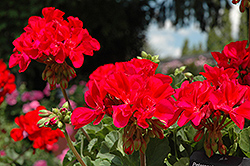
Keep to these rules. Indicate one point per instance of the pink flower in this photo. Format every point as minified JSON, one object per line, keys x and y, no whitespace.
{"x":46,"y":90}
{"x":11,"y":99}
{"x":72,"y":89}
{"x":40,"y":163}
{"x":30,"y":106}
{"x":2,"y":153}
{"x":62,"y":155}
{"x":25,"y":96}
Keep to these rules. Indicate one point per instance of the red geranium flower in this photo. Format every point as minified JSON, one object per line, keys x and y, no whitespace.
{"x":51,"y":40}
{"x":41,"y":137}
{"x":228,"y":99}
{"x":233,"y":55}
{"x":218,"y":75}
{"x":193,"y":100}
{"x":133,"y":95}
{"x":7,"y":85}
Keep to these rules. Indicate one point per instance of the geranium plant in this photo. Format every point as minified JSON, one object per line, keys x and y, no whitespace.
{"x":130,"y":110}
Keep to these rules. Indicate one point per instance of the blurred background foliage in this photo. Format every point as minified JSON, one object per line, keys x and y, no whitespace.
{"x":119,"y":25}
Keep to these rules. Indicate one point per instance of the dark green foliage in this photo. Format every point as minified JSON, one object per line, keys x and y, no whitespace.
{"x":180,"y":12}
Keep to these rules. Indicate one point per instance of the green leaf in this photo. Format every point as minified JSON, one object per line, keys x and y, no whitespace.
{"x":157,"y":151}
{"x":198,"y":78}
{"x":69,"y":159}
{"x":13,"y":155}
{"x":92,"y":143}
{"x":177,"y":80}
{"x":244,"y":141}
{"x":87,"y":161}
{"x":184,"y":161}
{"x":101,"y":162}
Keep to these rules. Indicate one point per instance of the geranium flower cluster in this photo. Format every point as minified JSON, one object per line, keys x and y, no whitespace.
{"x":42,"y":137}
{"x":220,"y":95}
{"x":51,"y":40}
{"x":135,"y":97}
{"x":7,"y":81}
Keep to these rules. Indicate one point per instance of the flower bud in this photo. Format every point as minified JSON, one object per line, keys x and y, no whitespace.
{"x":199,"y":134}
{"x":41,"y":122}
{"x":158,"y":133}
{"x":222,"y":149}
{"x":144,"y":54}
{"x":55,"y":110}
{"x":143,"y":146}
{"x":49,"y":73}
{"x":66,"y":119}
{"x":54,"y":120}
{"x":128,"y":146}
{"x":44,"y":113}
{"x":188,"y":75}
{"x":208,"y":149}
{"x":60,"y":125}
{"x":137,"y":143}
{"x":65,"y":105}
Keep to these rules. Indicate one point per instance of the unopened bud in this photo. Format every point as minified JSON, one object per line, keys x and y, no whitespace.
{"x":55,"y":110}
{"x":137,"y":143}
{"x":199,"y":134}
{"x":60,"y":124}
{"x":44,"y":113}
{"x":144,"y":54}
{"x":42,"y":122}
{"x":65,"y":105}
{"x":143,"y":146}
{"x":182,"y":68}
{"x":66,"y":119}
{"x":158,"y":133}
{"x":222,"y":149}
{"x":188,"y":75}
{"x":54,"y":120}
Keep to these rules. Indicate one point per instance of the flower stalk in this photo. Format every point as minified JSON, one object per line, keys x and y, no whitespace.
{"x":142,"y":159}
{"x":71,"y":110}
{"x":71,"y":146}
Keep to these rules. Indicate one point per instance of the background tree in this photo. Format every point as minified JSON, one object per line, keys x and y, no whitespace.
{"x":181,"y":12}
{"x":243,"y":27}
{"x":185,"y":49}
{"x":220,"y":35}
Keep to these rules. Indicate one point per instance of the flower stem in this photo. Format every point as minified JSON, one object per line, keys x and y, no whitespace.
{"x":222,"y":127}
{"x":66,"y":98}
{"x":86,"y":134}
{"x":71,"y":146}
{"x":71,"y":110}
{"x":142,"y":159}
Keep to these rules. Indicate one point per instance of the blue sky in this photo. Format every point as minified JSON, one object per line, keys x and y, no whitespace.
{"x":167,"y":41}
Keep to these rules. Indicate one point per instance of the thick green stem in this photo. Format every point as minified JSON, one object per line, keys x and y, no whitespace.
{"x":70,"y":108}
{"x":142,"y":159}
{"x":71,"y":146}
